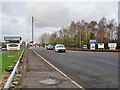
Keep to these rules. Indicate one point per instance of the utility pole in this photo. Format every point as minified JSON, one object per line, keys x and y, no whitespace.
{"x":32,"y":29}
{"x":80,"y":38}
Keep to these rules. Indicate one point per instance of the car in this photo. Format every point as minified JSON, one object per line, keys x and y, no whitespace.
{"x":60,"y":48}
{"x":4,"y":48}
{"x":49,"y":47}
{"x":0,"y":48}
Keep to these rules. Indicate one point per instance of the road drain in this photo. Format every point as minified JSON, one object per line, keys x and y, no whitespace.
{"x":49,"y":81}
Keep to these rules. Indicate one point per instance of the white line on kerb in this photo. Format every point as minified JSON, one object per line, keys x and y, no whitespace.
{"x":79,"y":86}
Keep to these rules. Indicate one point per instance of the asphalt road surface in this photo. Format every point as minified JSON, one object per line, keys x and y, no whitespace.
{"x":1,"y":52}
{"x":89,"y":69}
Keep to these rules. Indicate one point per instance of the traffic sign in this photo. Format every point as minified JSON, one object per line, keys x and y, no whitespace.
{"x":40,"y":42}
{"x":112,"y":46}
{"x":93,"y":41}
{"x":92,"y":46}
{"x":100,"y":45}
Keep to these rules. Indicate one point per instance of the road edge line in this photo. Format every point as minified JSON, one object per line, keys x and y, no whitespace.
{"x":75,"y":83}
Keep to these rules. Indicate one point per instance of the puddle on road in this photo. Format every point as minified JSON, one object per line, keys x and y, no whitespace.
{"x":49,"y":81}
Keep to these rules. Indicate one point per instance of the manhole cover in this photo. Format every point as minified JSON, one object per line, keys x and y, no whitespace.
{"x":49,"y":81}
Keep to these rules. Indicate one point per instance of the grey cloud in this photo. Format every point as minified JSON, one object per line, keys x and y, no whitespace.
{"x":49,"y":17}
{"x":14,"y":20}
{"x":15,"y":9}
{"x":61,"y":14}
{"x":49,"y":14}
{"x":97,"y":11}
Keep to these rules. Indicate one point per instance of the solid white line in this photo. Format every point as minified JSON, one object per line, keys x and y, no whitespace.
{"x":75,"y":83}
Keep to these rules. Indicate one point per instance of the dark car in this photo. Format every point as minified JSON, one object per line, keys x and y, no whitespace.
{"x":4,"y":48}
{"x":49,"y":47}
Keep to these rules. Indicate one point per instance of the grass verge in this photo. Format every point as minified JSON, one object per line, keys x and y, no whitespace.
{"x":7,"y":61}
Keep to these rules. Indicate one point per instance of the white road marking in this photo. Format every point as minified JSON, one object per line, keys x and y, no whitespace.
{"x":75,"y":83}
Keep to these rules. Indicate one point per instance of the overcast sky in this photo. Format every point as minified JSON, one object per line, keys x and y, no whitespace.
{"x":50,"y":16}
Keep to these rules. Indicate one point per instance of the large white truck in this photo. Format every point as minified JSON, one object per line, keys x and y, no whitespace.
{"x":60,"y":48}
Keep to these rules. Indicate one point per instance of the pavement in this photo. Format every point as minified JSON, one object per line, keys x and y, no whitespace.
{"x":38,"y":70}
{"x":90,"y":70}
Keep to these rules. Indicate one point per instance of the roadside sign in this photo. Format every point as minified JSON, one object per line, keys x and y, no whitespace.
{"x":13,"y":38}
{"x":40,"y":42}
{"x":13,"y":46}
{"x":93,"y":41}
{"x":31,"y":42}
{"x":112,"y":46}
{"x":92,"y":46}
{"x":84,"y":46}
{"x":13,"y":43}
{"x":100,"y":45}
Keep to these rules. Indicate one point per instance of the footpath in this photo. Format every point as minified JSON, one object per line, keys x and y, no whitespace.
{"x":39,"y":74}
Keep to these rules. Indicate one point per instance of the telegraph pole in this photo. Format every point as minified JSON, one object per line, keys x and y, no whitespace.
{"x":32,"y":29}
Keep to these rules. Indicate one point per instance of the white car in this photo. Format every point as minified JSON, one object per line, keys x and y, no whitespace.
{"x":60,"y":48}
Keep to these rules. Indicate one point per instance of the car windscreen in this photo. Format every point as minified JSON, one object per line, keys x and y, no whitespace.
{"x":61,"y":46}
{"x":49,"y":46}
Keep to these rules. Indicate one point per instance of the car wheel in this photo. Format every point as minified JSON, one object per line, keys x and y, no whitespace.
{"x":65,"y":51}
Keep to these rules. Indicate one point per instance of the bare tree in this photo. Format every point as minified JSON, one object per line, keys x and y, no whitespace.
{"x":45,"y":38}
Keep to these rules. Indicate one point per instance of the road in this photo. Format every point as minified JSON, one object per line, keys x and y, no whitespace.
{"x":89,"y":69}
{"x":1,"y":52}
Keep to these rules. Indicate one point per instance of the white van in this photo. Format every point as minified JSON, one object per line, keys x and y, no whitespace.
{"x":60,"y":48}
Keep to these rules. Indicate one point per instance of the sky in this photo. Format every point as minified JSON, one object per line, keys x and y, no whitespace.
{"x":15,"y":17}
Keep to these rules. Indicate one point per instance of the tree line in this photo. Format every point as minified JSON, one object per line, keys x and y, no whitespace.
{"x":79,"y":33}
